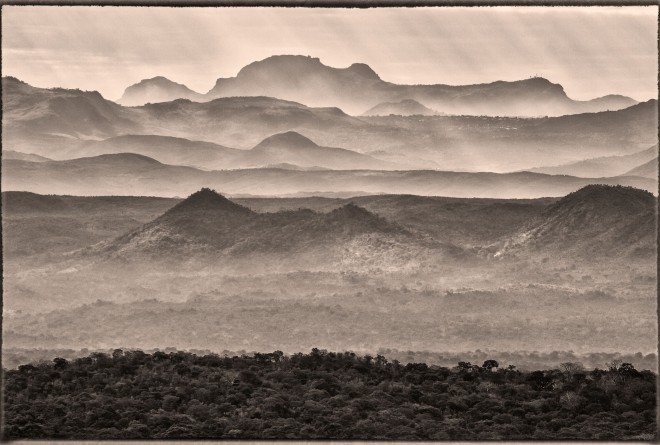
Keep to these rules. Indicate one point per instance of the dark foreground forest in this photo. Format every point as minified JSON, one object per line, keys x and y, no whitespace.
{"x":131,"y":394}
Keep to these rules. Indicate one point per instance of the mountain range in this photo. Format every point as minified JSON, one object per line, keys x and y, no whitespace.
{"x":284,"y":149}
{"x":592,"y":222}
{"x":54,"y":122}
{"x":358,"y":88}
{"x":206,"y":224}
{"x":129,"y":173}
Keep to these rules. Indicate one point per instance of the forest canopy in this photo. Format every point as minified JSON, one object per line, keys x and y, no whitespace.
{"x":321,"y":395}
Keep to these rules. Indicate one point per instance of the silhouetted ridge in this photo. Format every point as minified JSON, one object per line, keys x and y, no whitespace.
{"x":287,"y":139}
{"x":605,"y":198}
{"x":207,"y":200}
{"x":364,"y":70}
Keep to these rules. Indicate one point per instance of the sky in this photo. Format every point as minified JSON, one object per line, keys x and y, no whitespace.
{"x":590,"y":51}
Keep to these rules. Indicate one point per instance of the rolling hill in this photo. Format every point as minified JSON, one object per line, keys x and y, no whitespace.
{"x":20,"y":156}
{"x":165,"y":149}
{"x":646,"y":170}
{"x":295,"y":149}
{"x":597,"y":221}
{"x":603,"y":166}
{"x":131,"y":174}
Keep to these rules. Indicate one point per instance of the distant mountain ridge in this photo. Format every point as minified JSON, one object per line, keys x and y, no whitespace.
{"x":357,"y":88}
{"x":156,"y":89}
{"x":603,"y":166}
{"x":646,"y":170}
{"x":142,"y":175}
{"x":406,"y":107}
{"x":55,"y":123}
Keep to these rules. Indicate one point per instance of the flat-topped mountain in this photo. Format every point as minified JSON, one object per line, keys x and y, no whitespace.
{"x":156,"y":89}
{"x":358,"y":87}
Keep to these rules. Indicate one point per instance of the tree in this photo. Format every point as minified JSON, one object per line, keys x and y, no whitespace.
{"x":490,"y":364}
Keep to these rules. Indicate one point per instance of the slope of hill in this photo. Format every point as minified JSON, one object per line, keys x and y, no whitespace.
{"x":603,"y":166}
{"x":597,"y":221}
{"x":61,"y":112}
{"x":145,"y":176}
{"x":208,"y":225}
{"x":294,"y":148}
{"x":406,"y":107}
{"x":646,"y":170}
{"x":165,"y":149}
{"x":51,"y":225}
{"x":20,"y":156}
{"x":156,"y":89}
{"x":358,"y":87}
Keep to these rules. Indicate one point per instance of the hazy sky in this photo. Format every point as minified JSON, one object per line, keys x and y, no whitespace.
{"x":591,"y":51}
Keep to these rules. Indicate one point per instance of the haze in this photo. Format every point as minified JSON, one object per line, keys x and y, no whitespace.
{"x":591,"y":51}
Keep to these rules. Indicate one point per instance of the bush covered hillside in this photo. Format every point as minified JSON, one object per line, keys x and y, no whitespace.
{"x":131,"y":394}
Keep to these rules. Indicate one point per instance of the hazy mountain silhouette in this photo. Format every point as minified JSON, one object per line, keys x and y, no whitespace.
{"x":168,"y":150}
{"x":142,"y":175}
{"x":407,"y":107}
{"x":358,"y":87}
{"x":60,"y":112}
{"x":295,"y":149}
{"x":17,"y":155}
{"x":646,"y":170}
{"x":33,"y":124}
{"x":597,"y":221}
{"x":603,"y":166}
{"x":156,"y":89}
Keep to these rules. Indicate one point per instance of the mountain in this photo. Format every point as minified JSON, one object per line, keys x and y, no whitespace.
{"x":407,"y":107}
{"x":59,"y":112}
{"x":156,"y":89}
{"x":165,"y":149}
{"x":131,"y":174}
{"x":17,"y":155}
{"x":208,"y":224}
{"x":295,"y":149}
{"x":646,"y":170}
{"x":603,"y":166}
{"x":356,"y":88}
{"x":597,"y":221}
{"x":473,"y":143}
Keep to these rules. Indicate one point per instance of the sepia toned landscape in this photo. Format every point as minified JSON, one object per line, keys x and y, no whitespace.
{"x":310,"y":251}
